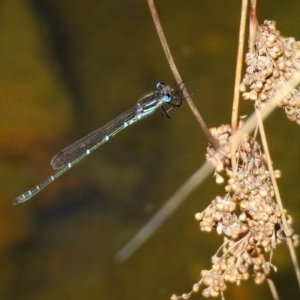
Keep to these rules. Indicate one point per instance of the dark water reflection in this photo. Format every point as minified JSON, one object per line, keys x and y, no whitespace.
{"x":69,"y":67}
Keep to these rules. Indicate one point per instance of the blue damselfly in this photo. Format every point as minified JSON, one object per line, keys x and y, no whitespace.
{"x":71,"y":155}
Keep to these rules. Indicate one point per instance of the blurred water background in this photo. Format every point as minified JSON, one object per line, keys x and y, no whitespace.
{"x":67,"y":68}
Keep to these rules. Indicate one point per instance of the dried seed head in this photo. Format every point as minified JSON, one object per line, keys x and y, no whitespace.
{"x":246,"y":216}
{"x":273,"y":63}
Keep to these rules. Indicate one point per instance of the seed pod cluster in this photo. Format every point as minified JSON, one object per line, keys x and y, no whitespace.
{"x":274,"y":61}
{"x":247,"y":216}
{"x":221,"y":159}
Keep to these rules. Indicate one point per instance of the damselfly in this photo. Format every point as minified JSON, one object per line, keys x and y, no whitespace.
{"x":71,"y":155}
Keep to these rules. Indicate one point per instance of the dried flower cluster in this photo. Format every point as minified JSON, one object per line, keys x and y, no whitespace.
{"x":247,"y":216}
{"x":274,"y":61}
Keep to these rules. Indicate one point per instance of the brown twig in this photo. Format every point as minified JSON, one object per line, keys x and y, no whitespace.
{"x":177,"y":76}
{"x":239,"y":65}
{"x":253,"y":26}
{"x":277,"y":194}
{"x":270,"y":282}
{"x":238,"y":75}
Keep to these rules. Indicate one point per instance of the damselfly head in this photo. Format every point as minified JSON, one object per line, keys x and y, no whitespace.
{"x":160,"y":85}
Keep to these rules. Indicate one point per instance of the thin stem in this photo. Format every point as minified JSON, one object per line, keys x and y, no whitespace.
{"x":270,"y":167}
{"x":253,"y":26}
{"x":165,"y":212}
{"x":277,"y":194}
{"x":270,"y":282}
{"x":273,"y":289}
{"x":239,"y":66}
{"x":238,"y":76}
{"x":214,"y":142}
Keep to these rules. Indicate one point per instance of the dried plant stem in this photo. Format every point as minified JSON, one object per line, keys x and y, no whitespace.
{"x":177,"y":76}
{"x":270,"y":167}
{"x":270,"y":282}
{"x":238,"y":75}
{"x":277,"y":194}
{"x":239,"y":66}
{"x":294,"y":259}
{"x":272,"y":287}
{"x":253,"y":26}
{"x":165,"y":212}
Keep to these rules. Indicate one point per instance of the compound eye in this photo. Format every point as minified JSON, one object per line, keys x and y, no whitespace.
{"x":160,"y":85}
{"x":167,"y":97}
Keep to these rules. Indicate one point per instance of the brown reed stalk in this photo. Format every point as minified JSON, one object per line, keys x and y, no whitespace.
{"x":177,"y":76}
